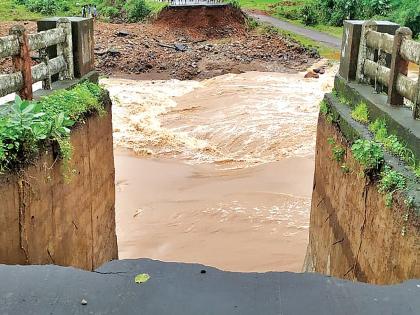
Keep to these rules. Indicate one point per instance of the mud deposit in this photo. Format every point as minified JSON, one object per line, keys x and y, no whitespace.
{"x":217,"y":172}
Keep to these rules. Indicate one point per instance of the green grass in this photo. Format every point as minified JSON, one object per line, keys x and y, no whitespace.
{"x":289,"y":13}
{"x":368,"y":153}
{"x":155,"y":6}
{"x":324,"y":51}
{"x":360,"y":113}
{"x":10,"y":11}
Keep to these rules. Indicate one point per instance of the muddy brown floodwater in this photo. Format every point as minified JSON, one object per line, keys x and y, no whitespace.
{"x":217,"y":172}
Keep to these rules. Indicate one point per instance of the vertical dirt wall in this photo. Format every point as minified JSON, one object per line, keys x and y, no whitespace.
{"x":353,"y":234}
{"x":47,"y":220}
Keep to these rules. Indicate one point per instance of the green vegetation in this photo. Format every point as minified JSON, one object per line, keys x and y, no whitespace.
{"x":26,"y":126}
{"x":46,"y":7}
{"x":10,"y":11}
{"x":392,"y":144}
{"x":360,"y":113}
{"x":338,"y":152}
{"x":390,"y":182}
{"x":323,"y":107}
{"x":328,"y":15}
{"x":345,"y":168}
{"x":325,"y":110}
{"x":131,"y":10}
{"x":137,"y":10}
{"x":369,"y":154}
{"x":322,"y":50}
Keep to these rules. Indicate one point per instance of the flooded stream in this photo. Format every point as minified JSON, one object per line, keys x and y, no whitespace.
{"x":217,"y":172}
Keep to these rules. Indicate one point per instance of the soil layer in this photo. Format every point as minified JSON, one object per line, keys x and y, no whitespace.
{"x":165,"y":49}
{"x":353,"y":233}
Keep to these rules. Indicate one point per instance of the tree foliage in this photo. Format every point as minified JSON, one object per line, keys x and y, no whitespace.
{"x":334,"y":12}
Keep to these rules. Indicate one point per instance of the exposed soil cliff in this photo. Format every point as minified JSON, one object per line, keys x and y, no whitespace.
{"x":46,"y":220}
{"x":353,"y":234}
{"x":210,"y":22}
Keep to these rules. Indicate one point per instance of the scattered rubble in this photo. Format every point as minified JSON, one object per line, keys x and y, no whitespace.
{"x":159,"y":51}
{"x":153,"y":50}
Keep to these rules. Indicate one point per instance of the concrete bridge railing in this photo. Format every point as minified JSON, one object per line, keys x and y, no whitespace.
{"x":19,"y":44}
{"x":375,"y":47}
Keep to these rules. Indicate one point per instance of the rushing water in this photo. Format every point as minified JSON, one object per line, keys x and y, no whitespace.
{"x":217,"y":172}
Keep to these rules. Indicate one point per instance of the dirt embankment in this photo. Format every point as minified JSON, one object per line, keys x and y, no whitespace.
{"x":211,"y":22}
{"x":45,"y":219}
{"x":196,"y":43}
{"x":353,"y":233}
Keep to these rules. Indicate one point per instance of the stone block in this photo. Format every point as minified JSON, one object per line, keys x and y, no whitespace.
{"x":83,"y":43}
{"x":350,"y":45}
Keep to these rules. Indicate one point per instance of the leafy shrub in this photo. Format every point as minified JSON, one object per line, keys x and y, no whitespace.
{"x":289,"y":12}
{"x":391,"y":181}
{"x":360,"y":113}
{"x":334,"y":12}
{"x":417,"y":170}
{"x":379,"y":129}
{"x":323,"y":108}
{"x":47,"y":7}
{"x":407,"y":13}
{"x":370,"y":8}
{"x":235,"y":4}
{"x":137,"y":10}
{"x":338,"y":153}
{"x":110,"y":12}
{"x":368,"y":153}
{"x":392,"y":143}
{"x":24,"y":126}
{"x":308,"y":15}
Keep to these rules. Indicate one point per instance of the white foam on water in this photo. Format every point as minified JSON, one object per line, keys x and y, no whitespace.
{"x":234,"y":121}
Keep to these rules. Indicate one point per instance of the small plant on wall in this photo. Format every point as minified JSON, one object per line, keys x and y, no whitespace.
{"x":369,"y":154}
{"x":360,"y":113}
{"x":390,"y":182}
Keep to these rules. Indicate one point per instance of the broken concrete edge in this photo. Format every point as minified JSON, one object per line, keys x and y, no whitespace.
{"x":182,"y":289}
{"x":353,"y":130}
{"x":399,"y":119}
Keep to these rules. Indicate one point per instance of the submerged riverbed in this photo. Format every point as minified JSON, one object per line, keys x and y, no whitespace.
{"x":217,"y":172}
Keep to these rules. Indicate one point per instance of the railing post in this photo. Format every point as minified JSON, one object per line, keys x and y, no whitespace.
{"x":65,"y":49}
{"x":23,"y":62}
{"x":416,"y":103}
{"x":398,"y":65}
{"x":364,"y":51}
{"x":43,"y":56}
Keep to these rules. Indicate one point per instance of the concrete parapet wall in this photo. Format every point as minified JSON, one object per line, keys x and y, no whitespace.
{"x":46,"y":220}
